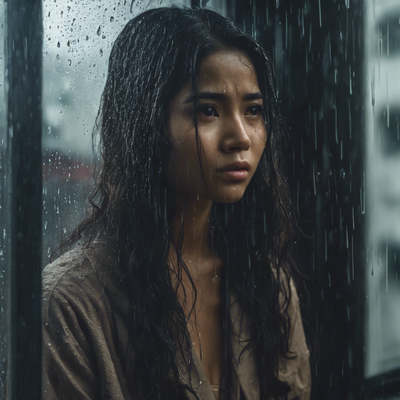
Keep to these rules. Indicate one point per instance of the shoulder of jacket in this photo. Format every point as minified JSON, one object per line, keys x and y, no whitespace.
{"x":67,"y":265}
{"x":72,"y":275}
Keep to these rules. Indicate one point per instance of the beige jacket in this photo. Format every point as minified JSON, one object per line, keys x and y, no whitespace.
{"x":85,"y":337}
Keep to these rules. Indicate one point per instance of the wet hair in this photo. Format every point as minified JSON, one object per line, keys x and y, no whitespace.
{"x":154,"y":55}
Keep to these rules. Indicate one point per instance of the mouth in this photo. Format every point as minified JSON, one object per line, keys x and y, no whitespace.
{"x":236,"y":171}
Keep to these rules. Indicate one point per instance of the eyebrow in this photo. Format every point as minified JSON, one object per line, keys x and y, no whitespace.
{"x":219,"y":96}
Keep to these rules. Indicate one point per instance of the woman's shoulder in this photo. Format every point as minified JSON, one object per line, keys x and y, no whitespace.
{"x":84,"y":325}
{"x":68,"y":266}
{"x":84,"y":274}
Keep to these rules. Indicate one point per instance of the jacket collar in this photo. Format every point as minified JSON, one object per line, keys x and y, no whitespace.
{"x":244,"y":364}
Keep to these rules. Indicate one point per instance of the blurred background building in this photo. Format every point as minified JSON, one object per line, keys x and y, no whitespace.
{"x":382,"y":168}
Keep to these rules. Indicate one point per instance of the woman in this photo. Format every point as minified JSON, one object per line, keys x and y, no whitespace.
{"x":178,"y":285}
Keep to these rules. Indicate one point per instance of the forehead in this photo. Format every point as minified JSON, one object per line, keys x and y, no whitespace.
{"x":227,"y":69}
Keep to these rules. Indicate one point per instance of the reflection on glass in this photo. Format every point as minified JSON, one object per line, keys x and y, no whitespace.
{"x":383,"y":187}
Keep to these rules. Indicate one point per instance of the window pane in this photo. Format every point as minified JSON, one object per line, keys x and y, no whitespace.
{"x":77,"y":40}
{"x":383,"y":188}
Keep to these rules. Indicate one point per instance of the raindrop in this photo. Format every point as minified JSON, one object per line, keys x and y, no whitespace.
{"x":98,"y":31}
{"x":336,"y":123}
{"x":319,"y":13}
{"x":315,"y":131}
{"x":58,"y":44}
{"x":387,"y":270}
{"x":349,"y":120}
{"x":350,"y":81}
{"x":362,"y":194}
{"x":111,"y":19}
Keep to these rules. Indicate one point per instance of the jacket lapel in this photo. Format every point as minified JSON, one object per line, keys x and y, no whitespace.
{"x":244,"y":363}
{"x":197,"y":379}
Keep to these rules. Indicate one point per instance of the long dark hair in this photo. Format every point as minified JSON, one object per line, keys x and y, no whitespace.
{"x":155,"y":54}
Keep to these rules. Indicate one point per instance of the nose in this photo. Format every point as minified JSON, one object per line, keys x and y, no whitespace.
{"x":235,"y":136}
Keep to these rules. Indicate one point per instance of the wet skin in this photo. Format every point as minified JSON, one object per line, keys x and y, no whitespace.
{"x":231,"y":130}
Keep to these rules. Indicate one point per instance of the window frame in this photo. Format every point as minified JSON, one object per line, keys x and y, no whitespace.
{"x":23,"y":55}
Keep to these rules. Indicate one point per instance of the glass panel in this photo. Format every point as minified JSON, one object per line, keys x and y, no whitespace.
{"x":383,"y":187}
{"x":77,"y":40}
{"x":4,"y":223}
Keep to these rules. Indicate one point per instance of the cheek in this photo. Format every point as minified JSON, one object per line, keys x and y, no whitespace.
{"x":183,"y":162}
{"x":262,"y":132}
{"x":260,"y":140}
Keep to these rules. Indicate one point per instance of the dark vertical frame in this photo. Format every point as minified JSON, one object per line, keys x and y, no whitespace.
{"x":24,"y":119}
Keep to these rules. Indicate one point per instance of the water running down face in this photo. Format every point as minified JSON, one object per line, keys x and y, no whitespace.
{"x":231,"y":130}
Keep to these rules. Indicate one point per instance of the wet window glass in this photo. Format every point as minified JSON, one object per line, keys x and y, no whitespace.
{"x":337,"y":76}
{"x":76,"y":45}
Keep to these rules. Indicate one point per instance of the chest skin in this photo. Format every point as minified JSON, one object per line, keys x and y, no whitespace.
{"x":205,"y":320}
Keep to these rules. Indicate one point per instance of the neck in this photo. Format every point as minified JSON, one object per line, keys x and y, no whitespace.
{"x":191,"y":228}
{"x":191,"y":223}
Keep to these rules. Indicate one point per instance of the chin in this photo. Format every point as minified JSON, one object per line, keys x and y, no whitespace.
{"x":228,"y":199}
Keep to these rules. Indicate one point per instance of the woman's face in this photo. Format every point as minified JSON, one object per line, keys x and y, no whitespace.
{"x":231,"y":130}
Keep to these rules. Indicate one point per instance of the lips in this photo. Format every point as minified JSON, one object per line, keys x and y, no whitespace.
{"x":236,"y":166}
{"x":236,"y":171}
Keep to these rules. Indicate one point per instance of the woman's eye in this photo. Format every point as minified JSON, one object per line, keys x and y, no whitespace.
{"x":208,"y":111}
{"x":255,"y":110}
